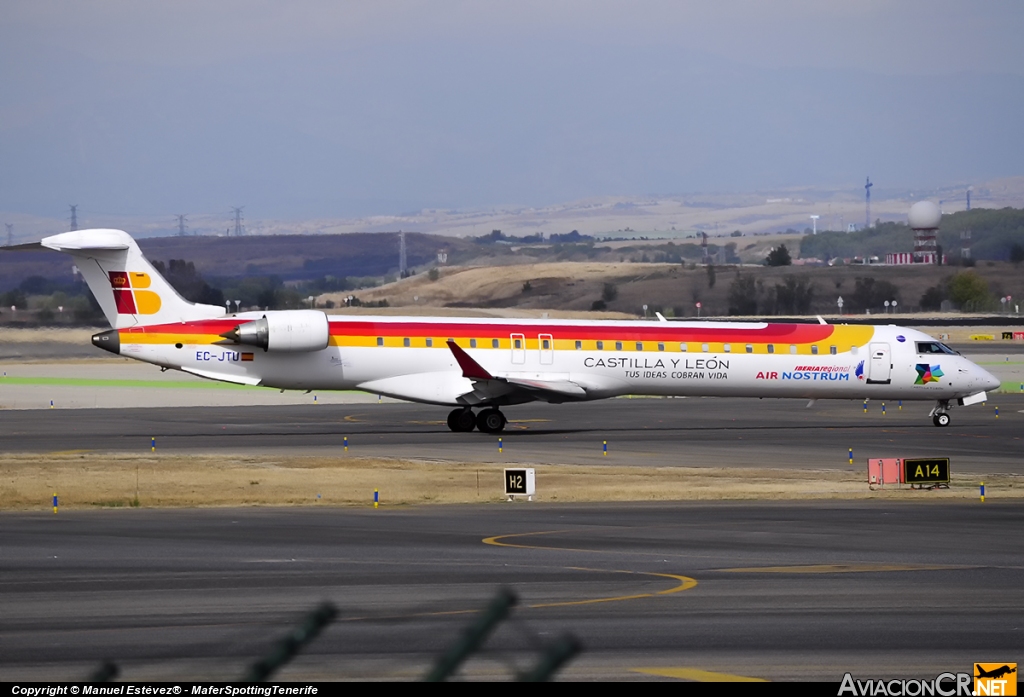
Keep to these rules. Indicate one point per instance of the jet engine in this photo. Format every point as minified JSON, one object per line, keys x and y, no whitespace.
{"x":286,"y":331}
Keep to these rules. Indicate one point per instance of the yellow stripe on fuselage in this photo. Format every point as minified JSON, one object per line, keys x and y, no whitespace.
{"x":843,"y":338}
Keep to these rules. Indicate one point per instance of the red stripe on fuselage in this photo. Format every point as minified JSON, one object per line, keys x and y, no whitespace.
{"x":654,"y":331}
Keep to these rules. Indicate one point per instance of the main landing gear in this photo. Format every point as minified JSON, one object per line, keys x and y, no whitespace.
{"x":488,"y":421}
{"x":940,"y":413}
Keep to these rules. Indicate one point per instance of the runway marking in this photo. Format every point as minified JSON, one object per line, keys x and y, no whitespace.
{"x":68,"y":452}
{"x":494,"y":541}
{"x":841,"y":568}
{"x":351,"y":418}
{"x":685,"y":582}
{"x":695,"y":674}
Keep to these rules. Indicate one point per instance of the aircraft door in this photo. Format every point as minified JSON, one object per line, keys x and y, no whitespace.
{"x":880,"y":369}
{"x":547,"y":346}
{"x":518,"y":348}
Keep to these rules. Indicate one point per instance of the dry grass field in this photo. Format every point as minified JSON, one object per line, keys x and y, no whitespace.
{"x":574,"y":286}
{"x":91,"y":480}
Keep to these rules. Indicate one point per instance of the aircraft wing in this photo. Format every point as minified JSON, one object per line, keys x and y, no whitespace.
{"x":566,"y":388}
{"x":555,"y":391}
{"x":223,"y":377}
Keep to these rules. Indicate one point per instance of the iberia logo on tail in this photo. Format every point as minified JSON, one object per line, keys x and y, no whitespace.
{"x":130,"y":295}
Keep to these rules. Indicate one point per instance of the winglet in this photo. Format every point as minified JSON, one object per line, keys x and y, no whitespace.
{"x":470,"y":368}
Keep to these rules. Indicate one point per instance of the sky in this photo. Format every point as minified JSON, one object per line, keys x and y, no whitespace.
{"x":308,"y":109}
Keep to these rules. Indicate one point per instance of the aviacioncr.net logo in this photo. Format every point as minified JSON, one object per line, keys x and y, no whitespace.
{"x":944,"y":685}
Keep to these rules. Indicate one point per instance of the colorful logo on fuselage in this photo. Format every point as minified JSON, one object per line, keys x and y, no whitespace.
{"x":859,"y":371}
{"x":129,"y":296}
{"x":927,"y":373}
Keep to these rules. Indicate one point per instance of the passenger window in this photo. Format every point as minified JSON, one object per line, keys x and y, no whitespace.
{"x":792,"y":348}
{"x":547,"y":344}
{"x":494,"y":343}
{"x":406,"y":342}
{"x":639,"y":346}
{"x":430,"y":342}
{"x":519,"y":343}
{"x":750,"y":348}
{"x":832,"y":350}
{"x":727,"y":347}
{"x":853,"y":350}
{"x":771,"y":348}
{"x":814,"y":349}
{"x":704,"y":348}
{"x":380,"y":341}
{"x":618,"y":345}
{"x":661,"y":347}
{"x":600,"y":346}
{"x":579,"y":345}
{"x":682,"y":347}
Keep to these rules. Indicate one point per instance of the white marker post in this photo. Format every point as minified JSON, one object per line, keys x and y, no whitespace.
{"x":520,"y":482}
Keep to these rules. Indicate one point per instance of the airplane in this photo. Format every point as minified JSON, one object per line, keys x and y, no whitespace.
{"x":486,"y":364}
{"x":995,"y":673}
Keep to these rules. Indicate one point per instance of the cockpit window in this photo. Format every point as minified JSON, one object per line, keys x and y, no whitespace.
{"x":934,"y":347}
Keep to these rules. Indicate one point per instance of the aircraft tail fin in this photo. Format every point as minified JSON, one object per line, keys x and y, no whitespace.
{"x":127,"y":287}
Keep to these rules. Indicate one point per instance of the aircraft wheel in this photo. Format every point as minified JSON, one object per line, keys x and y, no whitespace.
{"x":941,"y":419}
{"x":491,"y":421}
{"x":461,"y":420}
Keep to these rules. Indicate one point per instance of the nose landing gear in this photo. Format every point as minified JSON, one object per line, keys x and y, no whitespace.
{"x":940,"y":413}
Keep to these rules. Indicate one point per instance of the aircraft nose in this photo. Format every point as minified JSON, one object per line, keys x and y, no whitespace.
{"x":989,"y":381}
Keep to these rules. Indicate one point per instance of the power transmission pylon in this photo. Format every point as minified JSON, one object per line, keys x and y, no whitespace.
{"x":239,"y":230}
{"x":867,"y":203}
{"x":401,"y":254}
{"x":181,"y":224}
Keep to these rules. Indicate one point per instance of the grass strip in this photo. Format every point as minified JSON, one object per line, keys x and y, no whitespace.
{"x":84,"y":480}
{"x":94,"y":382}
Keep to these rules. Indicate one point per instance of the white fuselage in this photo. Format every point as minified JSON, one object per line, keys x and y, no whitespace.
{"x":869,"y":362}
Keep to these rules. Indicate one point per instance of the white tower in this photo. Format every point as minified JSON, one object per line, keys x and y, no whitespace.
{"x":924,"y":219}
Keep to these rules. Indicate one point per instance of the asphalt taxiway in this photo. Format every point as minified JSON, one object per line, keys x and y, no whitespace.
{"x":651,"y":432}
{"x":763,"y":590}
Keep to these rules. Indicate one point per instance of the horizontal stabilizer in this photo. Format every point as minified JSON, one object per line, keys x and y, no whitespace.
{"x":129,"y":290}
{"x":29,"y":247}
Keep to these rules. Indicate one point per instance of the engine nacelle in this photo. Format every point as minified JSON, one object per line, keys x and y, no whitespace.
{"x":286,"y":331}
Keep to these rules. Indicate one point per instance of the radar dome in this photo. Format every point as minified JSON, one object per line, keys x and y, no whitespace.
{"x":924,"y":215}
